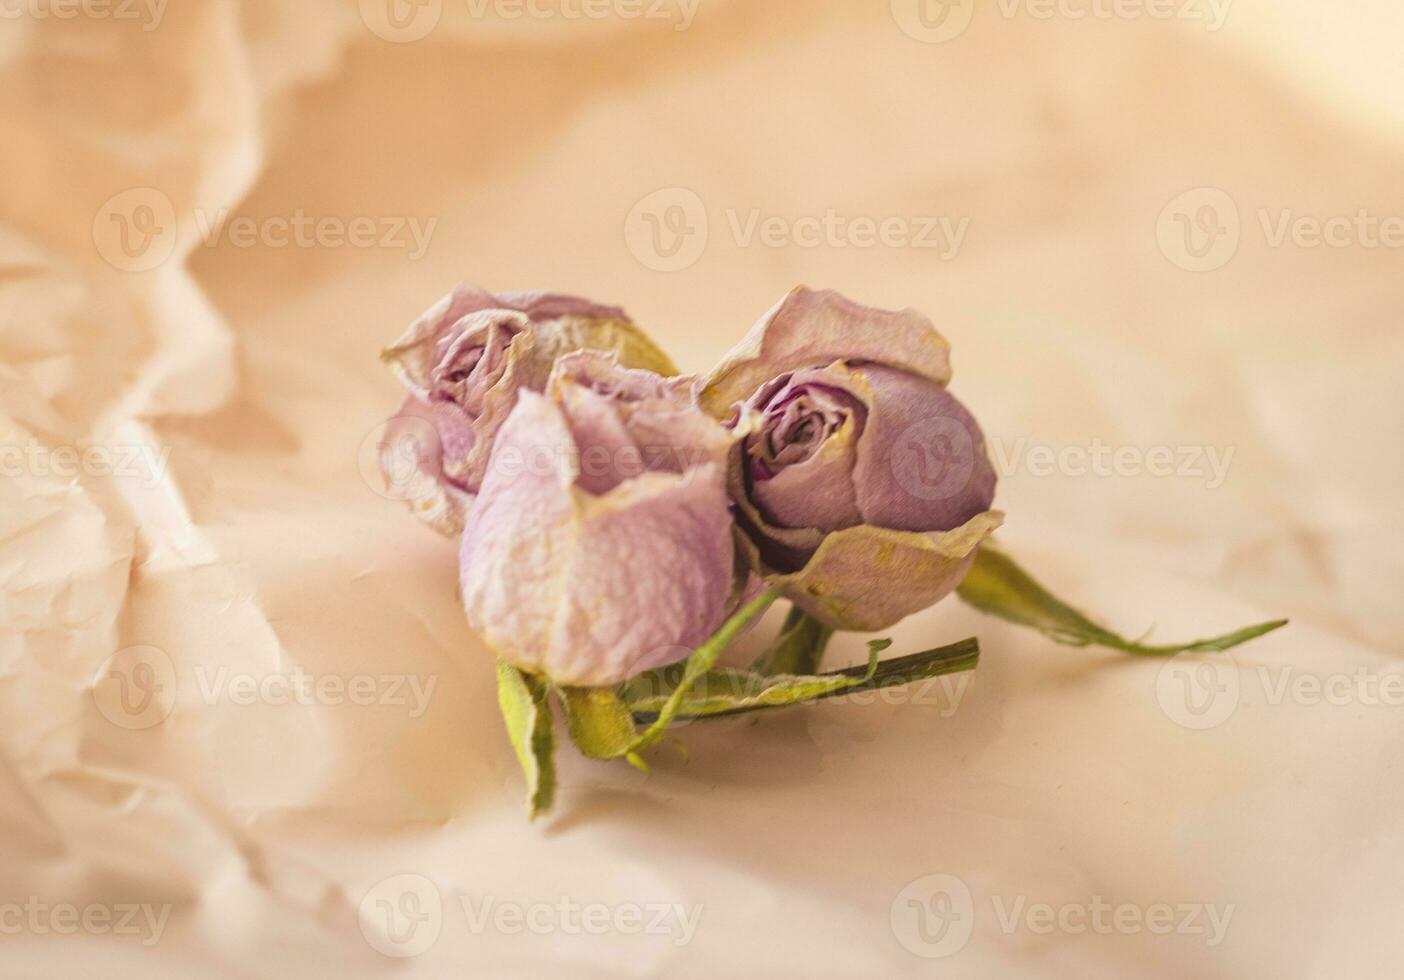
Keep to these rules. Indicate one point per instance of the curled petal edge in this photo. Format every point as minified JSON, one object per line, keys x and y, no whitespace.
{"x":431,"y":497}
{"x":867,"y":578}
{"x":813,"y":328}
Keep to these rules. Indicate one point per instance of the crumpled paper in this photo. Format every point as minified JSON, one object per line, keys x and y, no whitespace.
{"x":243,"y":727}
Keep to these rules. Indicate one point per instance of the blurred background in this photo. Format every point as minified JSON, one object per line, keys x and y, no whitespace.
{"x":1164,"y":238}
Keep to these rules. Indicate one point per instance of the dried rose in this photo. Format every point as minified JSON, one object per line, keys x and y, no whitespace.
{"x":600,"y":544}
{"x":463,"y":363}
{"x":863,"y":486}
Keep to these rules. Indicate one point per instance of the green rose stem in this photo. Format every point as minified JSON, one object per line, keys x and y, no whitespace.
{"x":601,"y":720}
{"x":601,"y":724}
{"x":703,"y":659}
{"x":737,"y":692}
{"x":998,"y":586}
{"x":798,"y":649}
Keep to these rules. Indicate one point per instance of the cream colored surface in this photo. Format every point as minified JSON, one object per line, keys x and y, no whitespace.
{"x":1058,"y":777}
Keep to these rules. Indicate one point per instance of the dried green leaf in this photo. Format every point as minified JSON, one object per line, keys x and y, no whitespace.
{"x":522,"y":698}
{"x":735,"y":692}
{"x":998,"y":586}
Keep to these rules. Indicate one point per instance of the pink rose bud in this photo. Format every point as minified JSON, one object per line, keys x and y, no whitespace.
{"x":600,"y":544}
{"x":463,"y":363}
{"x":863,"y":485}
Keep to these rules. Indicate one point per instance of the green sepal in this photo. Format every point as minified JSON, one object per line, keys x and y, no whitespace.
{"x":522,"y":698}
{"x":798,"y":649}
{"x":998,"y":586}
{"x":599,"y":722}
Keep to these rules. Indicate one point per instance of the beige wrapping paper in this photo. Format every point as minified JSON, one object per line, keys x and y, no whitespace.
{"x":244,"y":730}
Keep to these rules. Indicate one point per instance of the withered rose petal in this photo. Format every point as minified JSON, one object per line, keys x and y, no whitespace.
{"x":811,"y":328}
{"x":591,"y":588}
{"x":867,"y":578}
{"x":922,"y":464}
{"x":607,"y":453}
{"x":817,"y":493}
{"x":410,"y":454}
{"x":799,"y":456}
{"x":667,"y":431}
{"x":863,"y":495}
{"x":471,"y":353}
{"x":417,"y":351}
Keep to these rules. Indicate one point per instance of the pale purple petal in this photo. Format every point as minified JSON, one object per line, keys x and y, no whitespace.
{"x":799,"y":459}
{"x":651,"y":579}
{"x":521,"y":536}
{"x":922,"y":464}
{"x":540,"y":306}
{"x":817,"y":493}
{"x":473,"y":357}
{"x":861,"y":485}
{"x":417,"y":352}
{"x":812,"y":329}
{"x":411,"y":455}
{"x":608,"y":454}
{"x":472,"y":352}
{"x":637,"y":420}
{"x":591,"y":582}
